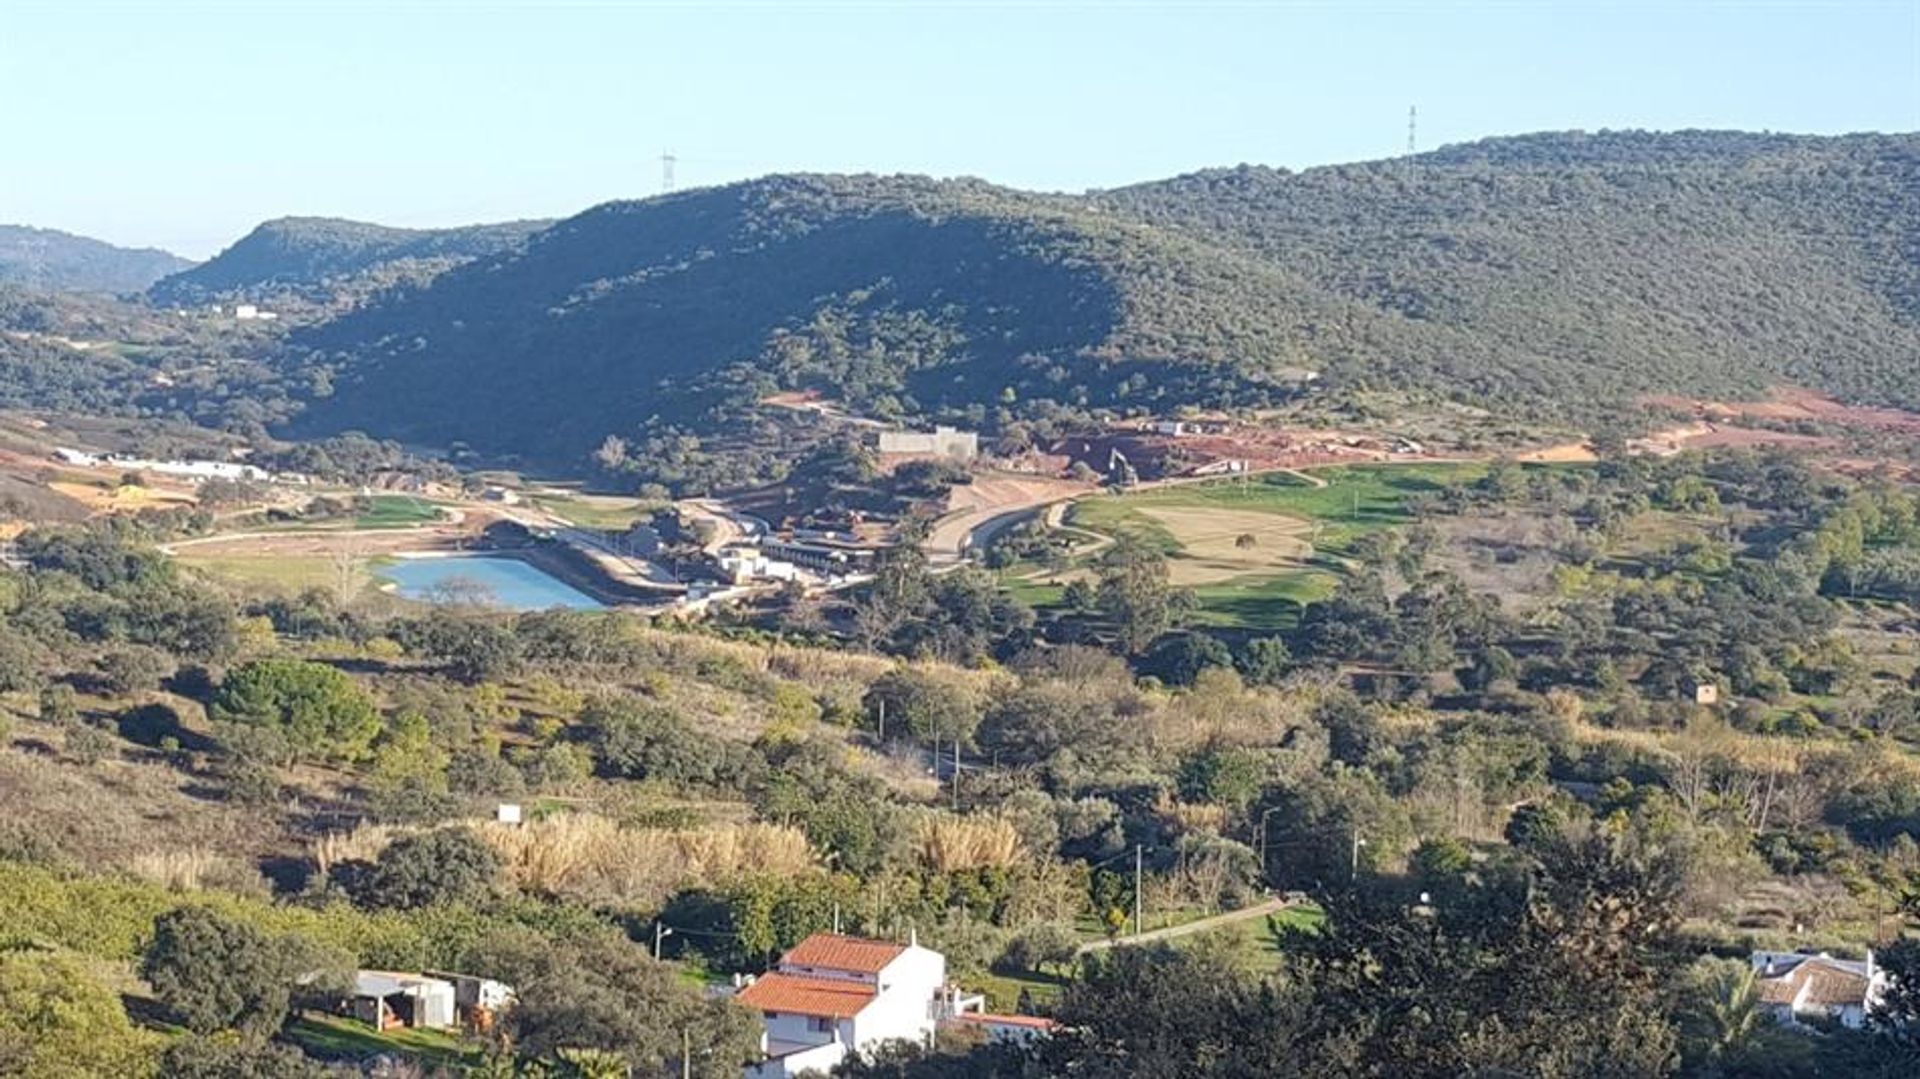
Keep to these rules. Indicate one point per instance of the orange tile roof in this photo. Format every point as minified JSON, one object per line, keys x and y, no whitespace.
{"x":1827,"y":983}
{"x":834,"y":952}
{"x":797,"y":993}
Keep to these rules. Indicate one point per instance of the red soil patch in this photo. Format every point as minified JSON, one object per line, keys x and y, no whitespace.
{"x":1791,"y":403}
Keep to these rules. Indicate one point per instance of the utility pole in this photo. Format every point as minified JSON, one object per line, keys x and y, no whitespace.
{"x":686,"y":1053}
{"x":1138,"y":852}
{"x":1264,"y":814}
{"x":956,"y":772}
{"x":1354,"y":871}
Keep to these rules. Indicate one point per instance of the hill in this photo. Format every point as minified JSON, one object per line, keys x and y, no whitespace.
{"x":321,"y":259}
{"x":60,"y":261}
{"x":1557,"y":275}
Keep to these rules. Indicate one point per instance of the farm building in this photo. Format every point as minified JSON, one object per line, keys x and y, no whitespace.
{"x":386,"y":1000}
{"x":939,"y":442}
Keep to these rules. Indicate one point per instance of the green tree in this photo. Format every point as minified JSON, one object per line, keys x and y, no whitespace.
{"x":218,"y":973}
{"x":201,"y":1057}
{"x":1265,"y":661}
{"x":58,"y":1022}
{"x":1719,"y":1017}
{"x":319,"y":709}
{"x":610,"y":997}
{"x":446,"y":865}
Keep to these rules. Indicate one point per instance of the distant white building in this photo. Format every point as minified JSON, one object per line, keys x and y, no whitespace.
{"x":198,"y":470}
{"x":247,"y":312}
{"x":831,"y":996}
{"x":939,"y":442}
{"x":1796,"y":987}
{"x":743,"y":564}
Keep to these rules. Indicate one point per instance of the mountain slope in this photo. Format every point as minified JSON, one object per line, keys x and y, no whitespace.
{"x":60,"y":261}
{"x":317,"y":257}
{"x":898,"y":294}
{"x":1553,"y":275}
{"x":1618,"y":262}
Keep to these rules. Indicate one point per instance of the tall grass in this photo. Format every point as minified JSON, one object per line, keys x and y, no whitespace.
{"x":589,"y":857}
{"x":949,"y":843}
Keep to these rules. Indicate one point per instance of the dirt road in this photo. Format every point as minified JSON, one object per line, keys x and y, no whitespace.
{"x":1199,"y":925}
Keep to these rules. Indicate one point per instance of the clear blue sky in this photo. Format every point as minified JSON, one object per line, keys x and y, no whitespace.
{"x":182,"y":124}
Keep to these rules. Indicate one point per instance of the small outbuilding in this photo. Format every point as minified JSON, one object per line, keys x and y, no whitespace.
{"x":386,"y":1000}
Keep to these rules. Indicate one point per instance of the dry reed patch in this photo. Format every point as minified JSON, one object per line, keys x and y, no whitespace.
{"x":583,"y":856}
{"x":949,"y":843}
{"x":1210,"y":540}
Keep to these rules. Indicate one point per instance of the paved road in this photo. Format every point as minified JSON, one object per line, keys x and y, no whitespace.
{"x":1200,"y":925}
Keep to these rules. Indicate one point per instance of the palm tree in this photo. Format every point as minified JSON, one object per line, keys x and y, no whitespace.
{"x":1720,"y":1016}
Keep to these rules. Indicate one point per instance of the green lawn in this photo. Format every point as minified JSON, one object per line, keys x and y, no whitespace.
{"x":596,"y":511}
{"x":1355,"y":500}
{"x":333,"y":1037}
{"x":397,"y":511}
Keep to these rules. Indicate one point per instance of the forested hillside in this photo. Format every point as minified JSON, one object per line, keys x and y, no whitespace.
{"x":54,"y":260}
{"x":317,"y":257}
{"x":1561,"y":275}
{"x":1568,"y":265}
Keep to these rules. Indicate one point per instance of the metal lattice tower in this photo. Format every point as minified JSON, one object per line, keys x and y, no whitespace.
{"x":666,"y":171}
{"x":1410,"y":121}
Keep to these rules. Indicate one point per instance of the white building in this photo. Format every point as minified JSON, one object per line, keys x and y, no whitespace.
{"x":832,"y":995}
{"x":743,"y":564}
{"x":1799,"y":988}
{"x":1014,"y":1029}
{"x":247,"y":312}
{"x":387,"y":999}
{"x":942,"y":441}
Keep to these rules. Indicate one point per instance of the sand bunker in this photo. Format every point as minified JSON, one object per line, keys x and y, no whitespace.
{"x":1210,"y":542}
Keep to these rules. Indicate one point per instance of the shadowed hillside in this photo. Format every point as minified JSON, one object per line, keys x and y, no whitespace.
{"x":60,"y":261}
{"x":317,"y":257}
{"x":1557,"y":275}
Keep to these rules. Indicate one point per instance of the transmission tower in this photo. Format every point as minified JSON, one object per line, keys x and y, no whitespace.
{"x":1410,"y":121}
{"x":666,"y":171}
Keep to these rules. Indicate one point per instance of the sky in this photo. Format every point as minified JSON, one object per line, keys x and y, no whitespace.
{"x":183,"y":124}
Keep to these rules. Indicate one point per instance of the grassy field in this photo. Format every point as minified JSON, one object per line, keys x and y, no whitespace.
{"x":1255,"y":550}
{"x":281,"y":572}
{"x":333,"y":1037}
{"x":397,"y":511}
{"x":595,"y":511}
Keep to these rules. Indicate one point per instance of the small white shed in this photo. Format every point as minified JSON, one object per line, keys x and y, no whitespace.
{"x":387,"y":999}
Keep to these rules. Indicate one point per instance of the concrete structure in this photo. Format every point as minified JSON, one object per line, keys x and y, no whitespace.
{"x":940,"y":442}
{"x":1018,"y":1029}
{"x":831,"y":996}
{"x":743,"y":564}
{"x":477,"y":1001}
{"x":247,"y":312}
{"x":198,"y":470}
{"x":386,"y":999}
{"x":837,"y":561}
{"x":1795,"y":988}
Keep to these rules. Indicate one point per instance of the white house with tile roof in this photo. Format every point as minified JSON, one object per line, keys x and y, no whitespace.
{"x":833,"y":995}
{"x":1797,"y":987}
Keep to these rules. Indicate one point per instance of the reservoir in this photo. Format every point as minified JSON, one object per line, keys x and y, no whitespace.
{"x":500,"y":582}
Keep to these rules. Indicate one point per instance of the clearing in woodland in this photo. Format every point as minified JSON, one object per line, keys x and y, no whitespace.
{"x":1255,"y":549}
